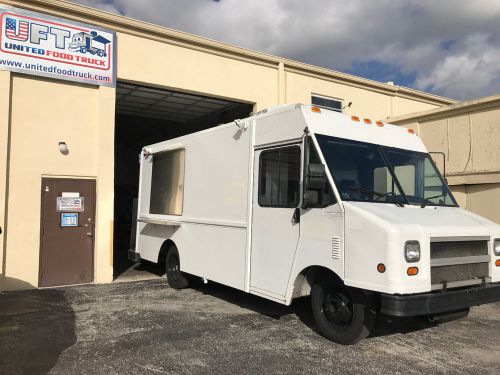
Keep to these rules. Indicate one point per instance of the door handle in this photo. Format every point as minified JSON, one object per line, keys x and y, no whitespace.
{"x":89,"y":232}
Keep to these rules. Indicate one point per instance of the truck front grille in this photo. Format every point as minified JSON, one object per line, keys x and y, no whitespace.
{"x":459,"y":272}
{"x":453,"y":249}
{"x":459,"y":263}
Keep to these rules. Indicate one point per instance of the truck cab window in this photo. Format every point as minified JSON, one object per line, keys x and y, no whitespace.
{"x":279,"y":177}
{"x":367,"y":172}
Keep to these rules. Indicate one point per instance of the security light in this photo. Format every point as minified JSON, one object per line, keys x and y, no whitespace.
{"x":63,"y":148}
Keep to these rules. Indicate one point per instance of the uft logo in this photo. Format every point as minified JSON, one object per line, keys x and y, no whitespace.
{"x":82,"y":42}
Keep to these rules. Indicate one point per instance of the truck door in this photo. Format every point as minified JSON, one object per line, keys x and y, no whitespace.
{"x":275,"y":232}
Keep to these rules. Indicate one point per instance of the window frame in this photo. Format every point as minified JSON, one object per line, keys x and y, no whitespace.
{"x":269,"y":150}
{"x":181,"y":150}
{"x":308,"y":147}
{"x":340,"y":101}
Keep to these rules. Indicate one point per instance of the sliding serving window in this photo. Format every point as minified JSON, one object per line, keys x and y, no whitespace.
{"x":167,"y":183}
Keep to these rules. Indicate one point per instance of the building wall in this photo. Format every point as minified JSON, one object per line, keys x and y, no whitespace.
{"x":169,"y":66}
{"x":37,"y":113}
{"x":484,"y":199}
{"x":470,"y":141}
{"x":175,"y":67}
{"x":44,"y":112}
{"x":5,"y":80}
{"x":468,"y":134}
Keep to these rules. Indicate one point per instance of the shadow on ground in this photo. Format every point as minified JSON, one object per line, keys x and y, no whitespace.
{"x":36,"y":326}
{"x":142,"y":270}
{"x":384,"y":326}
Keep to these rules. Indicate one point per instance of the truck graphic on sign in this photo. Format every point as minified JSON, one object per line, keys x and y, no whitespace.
{"x":89,"y":43}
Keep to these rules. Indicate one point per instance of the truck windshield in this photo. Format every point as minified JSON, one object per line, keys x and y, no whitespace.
{"x":373,"y":173}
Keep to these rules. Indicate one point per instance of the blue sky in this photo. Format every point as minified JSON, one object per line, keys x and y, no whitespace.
{"x":446,"y":47}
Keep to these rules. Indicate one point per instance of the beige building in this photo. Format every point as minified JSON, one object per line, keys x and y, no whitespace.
{"x":467,"y":134}
{"x":168,"y":83}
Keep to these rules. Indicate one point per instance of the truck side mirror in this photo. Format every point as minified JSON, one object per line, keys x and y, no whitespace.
{"x":310,"y":199}
{"x":316,"y":176}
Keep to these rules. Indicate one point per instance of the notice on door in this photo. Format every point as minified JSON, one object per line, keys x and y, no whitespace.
{"x":73,"y":204}
{"x":69,"y":219}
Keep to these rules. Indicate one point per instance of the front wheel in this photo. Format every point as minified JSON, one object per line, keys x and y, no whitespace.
{"x":343,"y":315}
{"x":176,"y":279}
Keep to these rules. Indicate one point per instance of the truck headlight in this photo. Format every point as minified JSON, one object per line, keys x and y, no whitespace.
{"x":496,"y":246}
{"x":412,"y":251}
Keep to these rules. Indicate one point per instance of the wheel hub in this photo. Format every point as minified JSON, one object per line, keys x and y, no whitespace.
{"x":173,"y":265}
{"x":338,"y":308}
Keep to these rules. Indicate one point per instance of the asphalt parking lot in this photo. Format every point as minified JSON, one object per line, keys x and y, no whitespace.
{"x":144,"y":327}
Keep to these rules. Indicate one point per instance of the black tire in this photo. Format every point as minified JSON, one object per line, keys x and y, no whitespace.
{"x":343,"y":315}
{"x":176,"y":279}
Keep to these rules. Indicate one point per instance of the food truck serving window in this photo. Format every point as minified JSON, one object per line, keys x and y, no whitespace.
{"x":167,"y":183}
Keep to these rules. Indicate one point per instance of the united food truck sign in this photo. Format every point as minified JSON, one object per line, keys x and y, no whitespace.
{"x":38,"y":44}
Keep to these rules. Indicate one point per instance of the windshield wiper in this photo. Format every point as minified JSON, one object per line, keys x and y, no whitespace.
{"x":422,"y":205}
{"x":380,"y":195}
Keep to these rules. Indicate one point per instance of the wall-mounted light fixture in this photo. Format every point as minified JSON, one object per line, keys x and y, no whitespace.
{"x":63,"y":148}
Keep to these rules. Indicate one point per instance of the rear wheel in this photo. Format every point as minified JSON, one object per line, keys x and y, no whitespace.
{"x":176,"y":278}
{"x":343,"y":315}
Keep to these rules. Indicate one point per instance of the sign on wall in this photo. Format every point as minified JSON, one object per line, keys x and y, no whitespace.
{"x":74,"y":204}
{"x":41,"y":45}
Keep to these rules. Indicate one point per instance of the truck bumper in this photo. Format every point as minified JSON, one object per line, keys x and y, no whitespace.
{"x":133,"y":255}
{"x":438,"y":302}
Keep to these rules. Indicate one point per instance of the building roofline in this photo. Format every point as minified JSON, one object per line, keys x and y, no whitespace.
{"x":456,"y":109}
{"x":119,"y":23}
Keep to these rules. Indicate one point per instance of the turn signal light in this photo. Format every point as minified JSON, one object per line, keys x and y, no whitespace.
{"x":367,"y":121}
{"x":412,"y":271}
{"x":497,"y":263}
{"x":316,"y":109}
{"x":354,"y":118}
{"x":381,"y":267}
{"x":380,"y":123}
{"x":411,"y":131}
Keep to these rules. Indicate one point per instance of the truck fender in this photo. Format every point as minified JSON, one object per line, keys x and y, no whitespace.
{"x":305,"y":279}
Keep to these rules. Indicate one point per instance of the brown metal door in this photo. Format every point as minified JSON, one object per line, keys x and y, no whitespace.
{"x":67,"y":231}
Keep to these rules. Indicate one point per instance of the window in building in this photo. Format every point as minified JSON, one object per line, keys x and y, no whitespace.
{"x":326,"y":103}
{"x":167,"y":183}
{"x":279,"y":177}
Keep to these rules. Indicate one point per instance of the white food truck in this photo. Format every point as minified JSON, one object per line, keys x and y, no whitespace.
{"x":302,"y":201}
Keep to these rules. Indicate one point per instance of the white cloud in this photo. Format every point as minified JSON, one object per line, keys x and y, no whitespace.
{"x":451,"y":46}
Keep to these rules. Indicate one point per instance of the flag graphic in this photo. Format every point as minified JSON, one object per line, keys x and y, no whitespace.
{"x":12,"y":33}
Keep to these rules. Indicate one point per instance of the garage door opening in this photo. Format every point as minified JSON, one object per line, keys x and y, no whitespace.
{"x":146,"y":115}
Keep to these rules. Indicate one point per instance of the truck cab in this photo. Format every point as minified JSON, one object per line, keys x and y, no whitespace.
{"x":408,"y":248}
